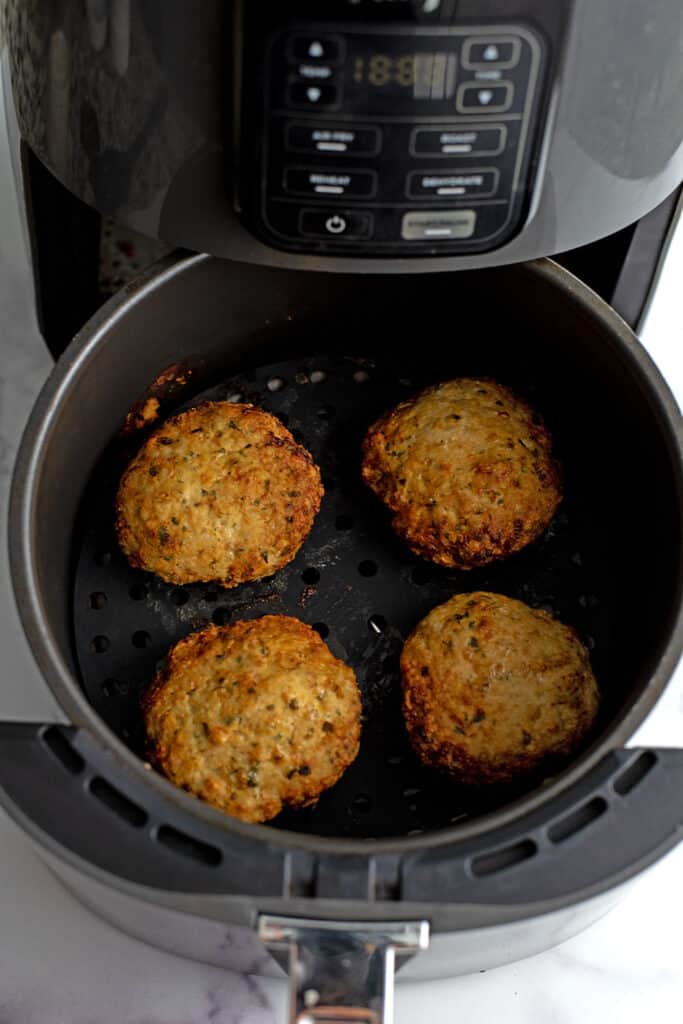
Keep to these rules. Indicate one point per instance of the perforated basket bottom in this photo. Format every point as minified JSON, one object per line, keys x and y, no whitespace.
{"x":353,"y":581}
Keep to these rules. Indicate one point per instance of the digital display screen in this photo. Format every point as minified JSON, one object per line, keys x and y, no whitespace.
{"x":418,"y":76}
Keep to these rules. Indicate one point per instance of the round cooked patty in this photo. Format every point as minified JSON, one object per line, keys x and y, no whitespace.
{"x":222,"y":492}
{"x":493,"y":689}
{"x":467,"y":470}
{"x":254,"y":716}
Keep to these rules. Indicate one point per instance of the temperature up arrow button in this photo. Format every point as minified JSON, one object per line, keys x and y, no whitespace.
{"x":317,"y":49}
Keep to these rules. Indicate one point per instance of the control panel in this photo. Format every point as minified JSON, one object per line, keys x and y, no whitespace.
{"x":396,"y":141}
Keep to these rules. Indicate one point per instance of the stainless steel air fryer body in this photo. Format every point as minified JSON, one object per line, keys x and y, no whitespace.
{"x":375,"y":135}
{"x":492,"y":888}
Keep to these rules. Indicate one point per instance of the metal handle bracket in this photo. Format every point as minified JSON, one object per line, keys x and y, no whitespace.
{"x":341,"y":971}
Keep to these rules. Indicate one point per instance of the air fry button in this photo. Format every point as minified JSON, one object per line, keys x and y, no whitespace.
{"x":461,"y":184}
{"x":345,"y":140}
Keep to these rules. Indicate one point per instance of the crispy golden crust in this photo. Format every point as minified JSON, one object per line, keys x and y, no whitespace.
{"x":494,"y":690}
{"x":254,"y":717}
{"x":221,"y":492}
{"x":467,"y":470}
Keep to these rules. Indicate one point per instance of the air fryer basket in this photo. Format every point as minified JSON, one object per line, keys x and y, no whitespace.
{"x":329,"y":353}
{"x":353,"y":580}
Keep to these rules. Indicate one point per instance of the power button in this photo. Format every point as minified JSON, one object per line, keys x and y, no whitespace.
{"x":335,"y":223}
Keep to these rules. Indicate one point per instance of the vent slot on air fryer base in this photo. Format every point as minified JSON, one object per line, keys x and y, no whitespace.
{"x":353,"y":581}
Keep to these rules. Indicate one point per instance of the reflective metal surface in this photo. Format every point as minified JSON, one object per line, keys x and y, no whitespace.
{"x":134,"y":105}
{"x":341,"y":972}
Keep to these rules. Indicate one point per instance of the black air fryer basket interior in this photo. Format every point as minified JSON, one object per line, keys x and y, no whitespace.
{"x":327,"y":356}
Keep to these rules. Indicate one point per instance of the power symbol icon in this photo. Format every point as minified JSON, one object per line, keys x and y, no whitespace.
{"x":335,"y":224}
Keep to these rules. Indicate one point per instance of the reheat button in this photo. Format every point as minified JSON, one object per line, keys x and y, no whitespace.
{"x":316,"y":181}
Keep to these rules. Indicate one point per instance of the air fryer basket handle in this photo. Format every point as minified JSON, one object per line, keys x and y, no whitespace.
{"x":62,"y":783}
{"x":341,"y":972}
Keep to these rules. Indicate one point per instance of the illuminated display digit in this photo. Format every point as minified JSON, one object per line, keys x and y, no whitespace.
{"x":380,"y":70}
{"x":405,"y":71}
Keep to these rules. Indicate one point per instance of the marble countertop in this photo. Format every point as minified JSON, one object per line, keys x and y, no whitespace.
{"x":59,"y":964}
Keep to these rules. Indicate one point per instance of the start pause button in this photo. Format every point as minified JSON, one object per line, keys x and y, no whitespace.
{"x":434,"y":225}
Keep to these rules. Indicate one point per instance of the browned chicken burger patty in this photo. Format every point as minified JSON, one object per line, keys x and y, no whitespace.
{"x":493,"y":690}
{"x":467,"y":470}
{"x":222,"y":492}
{"x":254,"y":716}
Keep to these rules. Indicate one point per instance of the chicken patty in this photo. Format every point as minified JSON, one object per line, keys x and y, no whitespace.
{"x":466,"y":468}
{"x":254,"y":716}
{"x":494,"y":690}
{"x":220,"y":493}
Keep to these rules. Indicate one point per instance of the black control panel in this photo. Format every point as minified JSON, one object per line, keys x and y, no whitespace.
{"x":395,"y":140}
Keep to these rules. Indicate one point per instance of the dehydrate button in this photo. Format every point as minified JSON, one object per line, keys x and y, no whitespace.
{"x":432,"y":184}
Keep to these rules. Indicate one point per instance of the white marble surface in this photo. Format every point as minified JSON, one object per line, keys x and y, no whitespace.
{"x":61,"y":965}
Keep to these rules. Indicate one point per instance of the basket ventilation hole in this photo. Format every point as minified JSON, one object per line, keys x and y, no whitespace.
{"x":421,"y":575}
{"x":344,"y":522}
{"x":98,"y":600}
{"x":114,"y":687}
{"x":634,"y":773}
{"x":179,"y":597}
{"x":318,"y":376}
{"x":361,"y":376}
{"x":235,"y":397}
{"x":103,"y":558}
{"x":210,"y":596}
{"x":221,"y":616}
{"x":377,"y":624}
{"x":100,"y":644}
{"x":577,"y":820}
{"x":501,"y":860}
{"x":141,"y":638}
{"x":326,"y":412}
{"x":361,"y":804}
{"x":188,"y":846}
{"x":368,"y":568}
{"x":58,"y":744}
{"x":321,"y":628}
{"x":310,"y":575}
{"x":138,"y":591}
{"x":275,"y":384}
{"x":118,"y":803}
